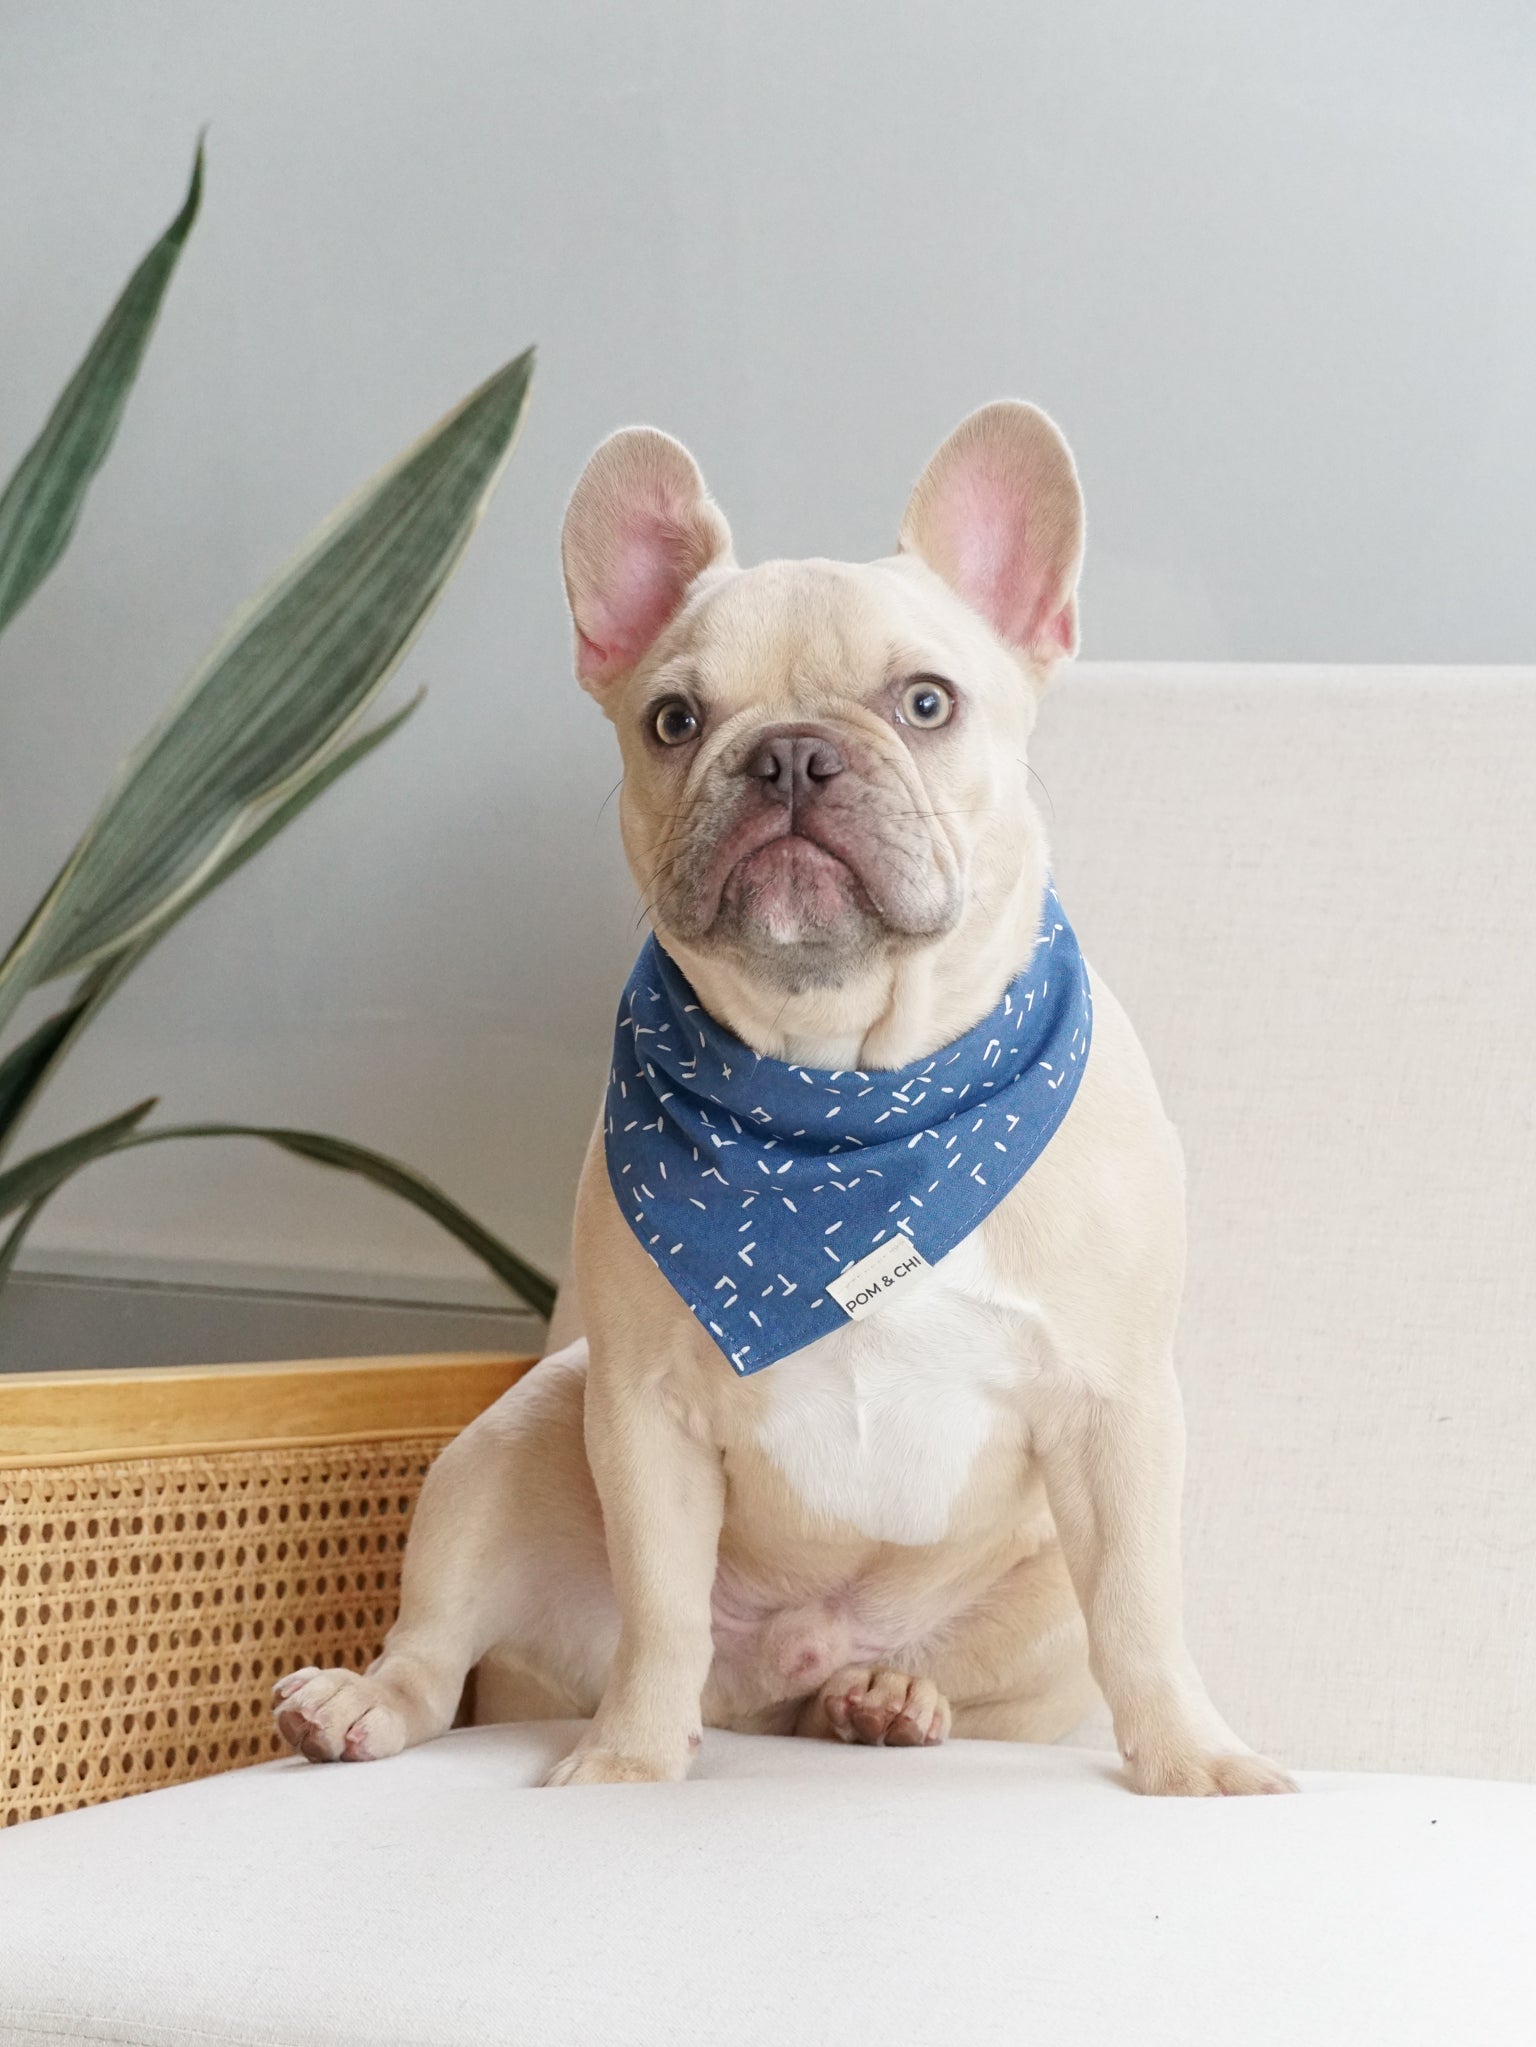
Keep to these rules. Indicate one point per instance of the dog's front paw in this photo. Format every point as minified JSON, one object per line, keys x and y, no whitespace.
{"x":1173,"y":1775}
{"x":880,"y":1708}
{"x":607,"y":1766}
{"x":336,"y":1716}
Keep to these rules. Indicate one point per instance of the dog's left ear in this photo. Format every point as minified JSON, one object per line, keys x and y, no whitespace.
{"x":999,"y":515}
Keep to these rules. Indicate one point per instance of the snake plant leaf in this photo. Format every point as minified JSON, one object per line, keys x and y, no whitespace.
{"x":26,"y":1070}
{"x":43,"y":1171}
{"x":328,"y":769}
{"x":524,"y":1280}
{"x":294,"y":670}
{"x":42,"y":501}
{"x":17,"y":1236}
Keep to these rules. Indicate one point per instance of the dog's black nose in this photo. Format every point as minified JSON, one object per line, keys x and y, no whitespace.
{"x":792,"y":765}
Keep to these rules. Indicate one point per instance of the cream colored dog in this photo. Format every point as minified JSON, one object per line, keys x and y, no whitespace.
{"x":945,"y":1516}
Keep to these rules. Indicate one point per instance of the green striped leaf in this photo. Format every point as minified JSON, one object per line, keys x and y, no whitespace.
{"x":49,"y":1170}
{"x":42,"y":500}
{"x":43,"y":1171}
{"x":525,"y":1280}
{"x":17,"y":1236}
{"x":24,"y":1070}
{"x":328,"y":768}
{"x":294,"y":670}
{"x":27,"y":1069}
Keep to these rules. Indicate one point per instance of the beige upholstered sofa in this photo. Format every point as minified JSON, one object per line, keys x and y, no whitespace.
{"x":1316,"y":892}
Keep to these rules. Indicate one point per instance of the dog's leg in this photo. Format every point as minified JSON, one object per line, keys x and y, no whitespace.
{"x":1114,"y":1469}
{"x":505,"y":1545}
{"x":1012,"y":1666}
{"x":662,"y":1489}
{"x":411,"y":1692}
{"x":877,"y":1707}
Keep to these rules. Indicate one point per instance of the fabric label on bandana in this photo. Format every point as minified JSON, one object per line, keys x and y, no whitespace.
{"x":782,"y":1201}
{"x":870,"y":1284}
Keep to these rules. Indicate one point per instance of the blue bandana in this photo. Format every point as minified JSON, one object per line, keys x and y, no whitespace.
{"x":779,"y":1201}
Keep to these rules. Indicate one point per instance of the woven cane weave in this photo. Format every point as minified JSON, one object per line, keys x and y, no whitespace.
{"x":148,"y":1604}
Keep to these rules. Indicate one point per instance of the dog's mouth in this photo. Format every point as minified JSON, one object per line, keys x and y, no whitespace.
{"x":795,"y":888}
{"x":805,"y":891}
{"x":770,"y":877}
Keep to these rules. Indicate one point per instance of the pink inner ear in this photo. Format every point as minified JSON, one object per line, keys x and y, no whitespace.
{"x":996,"y":570}
{"x":646,"y":578}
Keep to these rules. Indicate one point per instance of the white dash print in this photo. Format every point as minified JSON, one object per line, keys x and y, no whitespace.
{"x":688,"y":1105}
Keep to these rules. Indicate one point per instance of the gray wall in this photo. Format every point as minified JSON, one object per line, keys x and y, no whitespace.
{"x":1270,"y":266}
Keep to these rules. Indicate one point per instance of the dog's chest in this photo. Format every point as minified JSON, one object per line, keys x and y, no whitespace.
{"x":881,"y":1424}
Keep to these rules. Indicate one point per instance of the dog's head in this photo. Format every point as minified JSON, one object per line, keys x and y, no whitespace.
{"x":825,"y":762}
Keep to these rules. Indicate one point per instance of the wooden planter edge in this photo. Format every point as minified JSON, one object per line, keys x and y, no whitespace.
{"x":54,"y":1418}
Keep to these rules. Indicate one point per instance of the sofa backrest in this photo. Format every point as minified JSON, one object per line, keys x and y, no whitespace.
{"x":1315,"y":892}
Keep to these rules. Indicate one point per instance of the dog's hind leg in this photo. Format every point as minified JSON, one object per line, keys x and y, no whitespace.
{"x":506,"y":1546}
{"x":1012,"y":1666}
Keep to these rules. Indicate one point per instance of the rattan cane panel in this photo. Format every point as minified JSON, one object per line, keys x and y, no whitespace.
{"x":148,"y":1604}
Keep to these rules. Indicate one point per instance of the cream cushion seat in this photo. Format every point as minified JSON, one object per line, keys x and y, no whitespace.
{"x":793,"y":1891}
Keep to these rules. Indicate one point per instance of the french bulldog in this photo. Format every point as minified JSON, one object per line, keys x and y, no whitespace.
{"x":957,"y":1514}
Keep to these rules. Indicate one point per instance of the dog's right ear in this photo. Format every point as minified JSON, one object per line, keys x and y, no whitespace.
{"x":639,"y":530}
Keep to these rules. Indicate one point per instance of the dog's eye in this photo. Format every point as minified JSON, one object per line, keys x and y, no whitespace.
{"x":926,"y":701}
{"x":675,"y":722}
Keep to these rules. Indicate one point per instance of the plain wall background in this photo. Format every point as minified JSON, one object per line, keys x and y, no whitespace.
{"x":1270,"y":267}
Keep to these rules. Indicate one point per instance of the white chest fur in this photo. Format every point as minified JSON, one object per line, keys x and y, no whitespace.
{"x":880,"y":1424}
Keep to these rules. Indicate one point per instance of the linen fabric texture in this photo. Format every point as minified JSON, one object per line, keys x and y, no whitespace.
{"x":1032,"y":1898}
